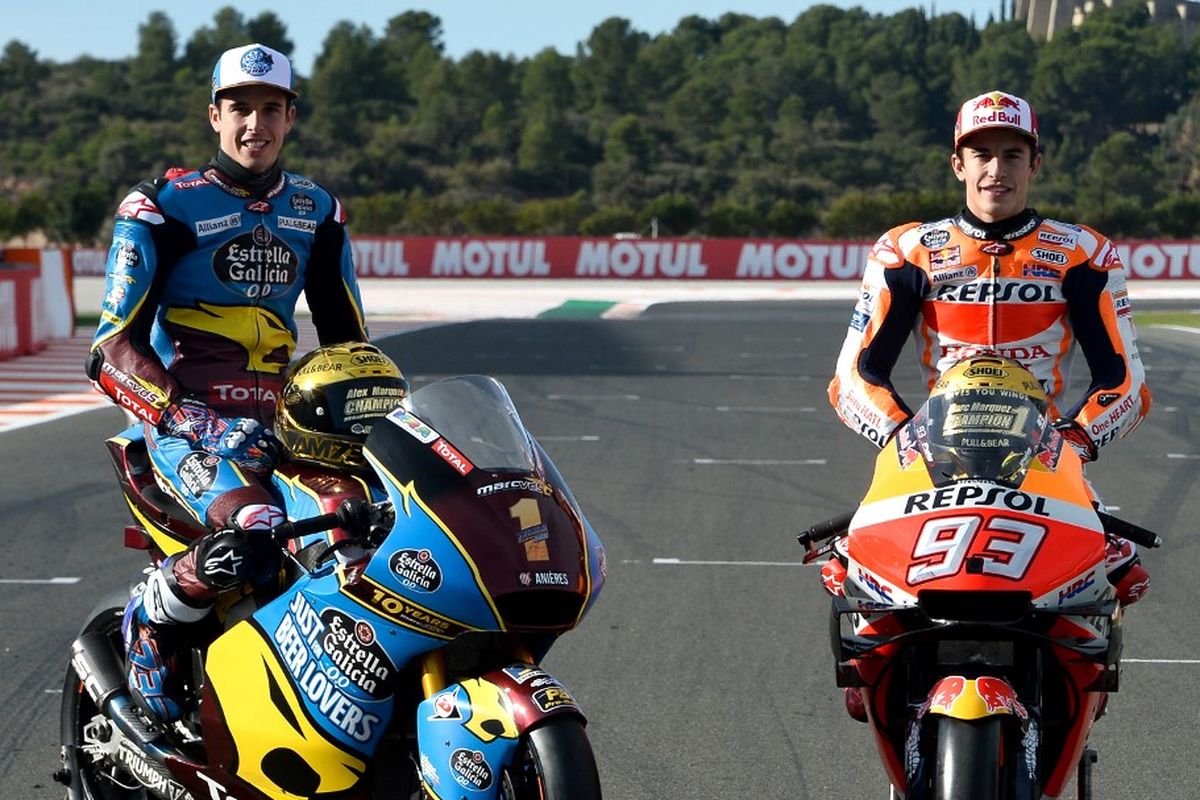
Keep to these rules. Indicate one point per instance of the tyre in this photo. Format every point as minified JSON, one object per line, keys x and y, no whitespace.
{"x":554,"y":762}
{"x":91,"y":779}
{"x":968,"y":759}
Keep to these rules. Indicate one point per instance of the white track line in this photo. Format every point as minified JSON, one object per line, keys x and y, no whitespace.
{"x":754,"y":462}
{"x":593,"y":397}
{"x":51,"y":581}
{"x":768,"y":409}
{"x":682,"y":562}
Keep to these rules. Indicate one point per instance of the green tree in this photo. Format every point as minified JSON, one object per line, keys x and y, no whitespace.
{"x":789,"y":218}
{"x":153,"y":68}
{"x":1178,"y":215}
{"x":604,"y":65}
{"x":608,"y":221}
{"x":858,"y":215}
{"x":207,"y":43}
{"x":1003,"y":60}
{"x":552,"y":216}
{"x":20,"y":68}
{"x":269,"y":29}
{"x":675,"y":214}
{"x":1118,"y":184}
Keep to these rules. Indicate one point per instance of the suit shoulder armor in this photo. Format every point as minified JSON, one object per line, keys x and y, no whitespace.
{"x":142,"y":203}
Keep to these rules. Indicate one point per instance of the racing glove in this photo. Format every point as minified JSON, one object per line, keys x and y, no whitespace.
{"x":1078,"y":438}
{"x":242,"y":440}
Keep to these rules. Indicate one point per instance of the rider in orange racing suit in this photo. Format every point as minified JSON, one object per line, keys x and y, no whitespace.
{"x":997,"y":278}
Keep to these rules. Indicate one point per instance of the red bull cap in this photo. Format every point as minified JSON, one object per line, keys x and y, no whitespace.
{"x":252,"y":64}
{"x":995,"y":109}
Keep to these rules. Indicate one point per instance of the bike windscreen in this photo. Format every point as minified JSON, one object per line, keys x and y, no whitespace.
{"x":981,"y":433}
{"x":476,"y":415}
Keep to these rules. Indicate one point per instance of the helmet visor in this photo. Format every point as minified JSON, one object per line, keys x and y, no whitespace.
{"x":983,"y":434}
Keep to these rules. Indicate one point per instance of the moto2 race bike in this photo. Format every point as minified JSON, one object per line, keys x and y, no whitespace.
{"x":400,"y":661}
{"x":970,"y":603}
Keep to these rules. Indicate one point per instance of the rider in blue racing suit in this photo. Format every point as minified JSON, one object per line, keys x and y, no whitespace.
{"x":196,"y":329}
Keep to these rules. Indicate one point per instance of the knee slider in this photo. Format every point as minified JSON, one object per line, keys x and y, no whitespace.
{"x":226,"y":559}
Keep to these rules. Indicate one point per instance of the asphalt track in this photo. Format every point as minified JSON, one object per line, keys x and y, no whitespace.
{"x":698,"y":439}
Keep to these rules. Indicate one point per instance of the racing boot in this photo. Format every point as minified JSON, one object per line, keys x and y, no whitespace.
{"x":180,"y":593}
{"x":1125,"y":572}
{"x":150,"y":628}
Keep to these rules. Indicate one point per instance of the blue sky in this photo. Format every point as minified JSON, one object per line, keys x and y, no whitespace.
{"x":63,"y":30}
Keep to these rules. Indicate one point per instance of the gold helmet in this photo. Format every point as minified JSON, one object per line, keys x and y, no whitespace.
{"x":331,"y":397}
{"x":985,"y":415}
{"x":989,"y":372}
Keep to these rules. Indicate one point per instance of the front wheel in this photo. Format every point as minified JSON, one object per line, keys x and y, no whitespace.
{"x":968,"y":759}
{"x":554,"y":762}
{"x":93,"y":775}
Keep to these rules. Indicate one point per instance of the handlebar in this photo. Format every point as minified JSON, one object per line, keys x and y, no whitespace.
{"x":828,"y":529}
{"x":1127,"y":530}
{"x":355,"y":515}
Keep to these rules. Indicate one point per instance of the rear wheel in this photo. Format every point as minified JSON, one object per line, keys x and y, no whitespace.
{"x":968,"y":759}
{"x":92,"y":776}
{"x":554,"y":762}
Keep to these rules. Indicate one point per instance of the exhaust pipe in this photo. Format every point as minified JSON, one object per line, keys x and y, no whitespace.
{"x":99,"y":669}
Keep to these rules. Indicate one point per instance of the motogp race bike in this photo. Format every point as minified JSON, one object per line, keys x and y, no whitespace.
{"x":401,"y":661}
{"x":971,"y":609}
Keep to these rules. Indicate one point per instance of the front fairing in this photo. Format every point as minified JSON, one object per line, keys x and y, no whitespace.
{"x":471,"y":485}
{"x":916,"y":531}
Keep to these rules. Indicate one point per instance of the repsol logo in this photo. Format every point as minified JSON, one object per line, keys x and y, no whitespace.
{"x":1003,"y":293}
{"x":971,"y":495}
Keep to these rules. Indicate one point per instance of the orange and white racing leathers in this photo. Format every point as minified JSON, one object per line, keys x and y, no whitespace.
{"x":1027,"y":288}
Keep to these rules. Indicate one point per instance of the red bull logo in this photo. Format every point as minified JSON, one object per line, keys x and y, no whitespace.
{"x":998,"y":117}
{"x":999,"y":697}
{"x":948,"y":690}
{"x":996,"y":100}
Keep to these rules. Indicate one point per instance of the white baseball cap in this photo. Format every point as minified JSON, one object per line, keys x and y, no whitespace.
{"x":995,"y":109}
{"x":250,"y":65}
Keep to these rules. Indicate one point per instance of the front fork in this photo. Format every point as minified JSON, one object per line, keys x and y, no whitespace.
{"x":468,"y":732}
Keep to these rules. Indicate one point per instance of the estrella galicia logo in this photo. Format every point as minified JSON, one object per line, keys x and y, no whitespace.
{"x":471,"y":770}
{"x":256,"y":264}
{"x":198,"y":472}
{"x":127,"y":256}
{"x":257,"y":62}
{"x":303,"y":204}
{"x":417,"y":569}
{"x":351,"y":644}
{"x":935,"y":240}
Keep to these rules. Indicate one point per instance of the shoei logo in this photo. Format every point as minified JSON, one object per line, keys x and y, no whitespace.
{"x":1049,"y":256}
{"x":257,"y":63}
{"x":984,"y":371}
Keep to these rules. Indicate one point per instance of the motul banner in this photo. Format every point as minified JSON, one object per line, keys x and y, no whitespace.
{"x":536,"y":257}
